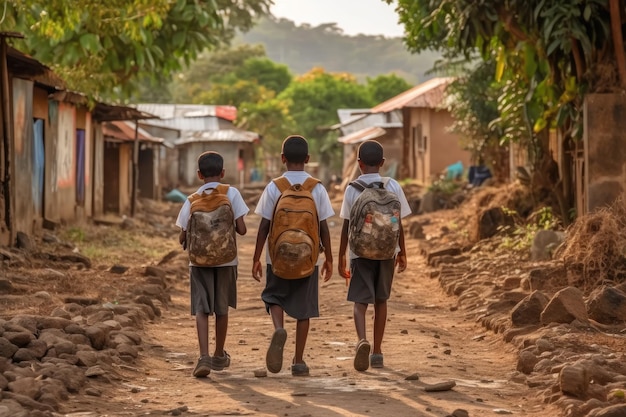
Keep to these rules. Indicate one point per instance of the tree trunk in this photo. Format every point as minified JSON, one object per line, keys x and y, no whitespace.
{"x":618,"y":44}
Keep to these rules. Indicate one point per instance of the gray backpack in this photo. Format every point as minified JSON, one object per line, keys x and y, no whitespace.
{"x":374,"y":221}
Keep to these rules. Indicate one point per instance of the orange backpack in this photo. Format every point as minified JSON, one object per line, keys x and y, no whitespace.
{"x":211,"y":228}
{"x":294,"y":237}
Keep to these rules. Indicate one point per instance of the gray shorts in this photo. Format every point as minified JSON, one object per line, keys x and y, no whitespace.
{"x":370,"y":280}
{"x":213,"y":289}
{"x":297,"y":297}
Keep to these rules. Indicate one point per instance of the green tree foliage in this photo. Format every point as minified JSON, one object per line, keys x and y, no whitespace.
{"x":315,"y":97}
{"x":275,"y":77}
{"x":104,"y":47}
{"x":243,"y":77}
{"x":384,"y":87}
{"x":549,"y":53}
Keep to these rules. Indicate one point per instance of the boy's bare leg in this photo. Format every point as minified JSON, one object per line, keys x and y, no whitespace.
{"x":380,"y":320}
{"x":277,"y":314}
{"x":221,"y":328}
{"x":274,"y":356}
{"x":202,"y":326}
{"x":359,"y":311}
{"x":302,"y":332}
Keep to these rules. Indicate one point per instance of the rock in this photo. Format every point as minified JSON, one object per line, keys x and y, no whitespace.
{"x":490,"y":221}
{"x":260,"y":373}
{"x":526,"y":362}
{"x":459,"y":412}
{"x":118,"y":269}
{"x":440,"y":386}
{"x":528,"y":311}
{"x":612,"y":411}
{"x":24,"y":241}
{"x":7,"y":349}
{"x":607,"y":305}
{"x":574,"y":381}
{"x":27,"y":386}
{"x":6,"y":287}
{"x":412,"y":377}
{"x":565,"y":306}
{"x":544,"y":243}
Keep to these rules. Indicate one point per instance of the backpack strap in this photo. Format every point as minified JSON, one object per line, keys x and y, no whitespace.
{"x":310,"y":183}
{"x":282,"y":183}
{"x":221,"y":188}
{"x":362,"y":185}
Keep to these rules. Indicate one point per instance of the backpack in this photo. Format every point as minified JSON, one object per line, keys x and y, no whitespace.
{"x":294,"y":239}
{"x":211,"y":228}
{"x":374,"y":221}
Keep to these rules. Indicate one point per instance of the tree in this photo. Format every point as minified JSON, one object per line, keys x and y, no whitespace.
{"x":104,"y":47}
{"x":383,"y":87}
{"x":315,"y":97}
{"x":549,"y":53}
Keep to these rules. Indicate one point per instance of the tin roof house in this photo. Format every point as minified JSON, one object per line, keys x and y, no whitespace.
{"x":428,"y":147}
{"x":202,"y":128}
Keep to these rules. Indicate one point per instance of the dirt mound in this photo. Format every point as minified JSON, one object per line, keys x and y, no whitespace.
{"x":595,"y":248}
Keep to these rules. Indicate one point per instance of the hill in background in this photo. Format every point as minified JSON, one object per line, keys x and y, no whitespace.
{"x":304,"y":47}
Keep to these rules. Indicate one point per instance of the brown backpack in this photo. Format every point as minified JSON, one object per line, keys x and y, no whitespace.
{"x":294,"y":238}
{"x":211,"y":229}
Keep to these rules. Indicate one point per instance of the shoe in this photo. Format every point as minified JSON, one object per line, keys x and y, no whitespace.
{"x":274,"y":357}
{"x":218,"y":363}
{"x":299,"y":369}
{"x":203,"y":368}
{"x":361,"y":358}
{"x":376,"y":360}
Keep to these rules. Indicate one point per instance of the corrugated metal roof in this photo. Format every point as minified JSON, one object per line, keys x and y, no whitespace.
{"x":362,"y":135}
{"x":125,"y":132}
{"x":362,"y":121}
{"x":428,"y":94}
{"x":224,"y":135}
{"x":173,"y":111}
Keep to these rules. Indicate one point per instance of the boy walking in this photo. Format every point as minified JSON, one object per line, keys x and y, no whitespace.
{"x":208,"y":220}
{"x":372,"y":268}
{"x":297,"y":296}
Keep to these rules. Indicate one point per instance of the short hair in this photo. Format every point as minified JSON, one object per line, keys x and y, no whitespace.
{"x":210,"y":164}
{"x":295,"y":149}
{"x":371,"y":153}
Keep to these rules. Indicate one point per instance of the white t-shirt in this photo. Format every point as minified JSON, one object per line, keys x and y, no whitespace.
{"x":239,"y":209}
{"x":271,"y":193}
{"x":352,"y":193}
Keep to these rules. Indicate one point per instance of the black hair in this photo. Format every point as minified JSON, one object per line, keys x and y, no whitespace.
{"x":295,"y":149}
{"x":371,"y":153}
{"x":210,"y":164}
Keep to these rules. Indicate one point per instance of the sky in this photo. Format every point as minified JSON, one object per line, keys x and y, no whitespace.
{"x":368,"y":17}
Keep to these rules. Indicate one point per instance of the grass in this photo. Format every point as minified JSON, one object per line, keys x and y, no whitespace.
{"x":112,"y":244}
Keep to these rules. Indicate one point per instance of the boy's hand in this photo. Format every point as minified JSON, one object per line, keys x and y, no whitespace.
{"x":400,"y":261}
{"x":345,"y":273}
{"x":327,"y":270}
{"x":257,"y":270}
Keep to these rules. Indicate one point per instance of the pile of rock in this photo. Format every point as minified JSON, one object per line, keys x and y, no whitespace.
{"x":44,"y":359}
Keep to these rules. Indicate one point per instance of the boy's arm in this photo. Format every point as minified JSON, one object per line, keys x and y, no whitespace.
{"x":240,"y":226}
{"x":327,"y":269}
{"x":401,"y":256}
{"x":343,"y":245}
{"x":257,"y":269}
{"x":182,"y":238}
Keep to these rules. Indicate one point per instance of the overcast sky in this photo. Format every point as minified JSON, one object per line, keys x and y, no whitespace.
{"x":369,"y":17}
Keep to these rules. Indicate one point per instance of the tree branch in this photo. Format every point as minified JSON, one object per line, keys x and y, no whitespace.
{"x":618,"y":44}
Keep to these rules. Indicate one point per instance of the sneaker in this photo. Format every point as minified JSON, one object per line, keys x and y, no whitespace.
{"x":376,"y":360}
{"x":299,"y":369}
{"x":218,"y":363}
{"x":203,"y":368}
{"x":274,"y":357}
{"x":361,"y":358}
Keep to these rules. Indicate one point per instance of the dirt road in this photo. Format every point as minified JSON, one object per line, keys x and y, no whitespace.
{"x":426,"y":337}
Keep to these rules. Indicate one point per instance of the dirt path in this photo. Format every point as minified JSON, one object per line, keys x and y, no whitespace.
{"x":425,"y":336}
